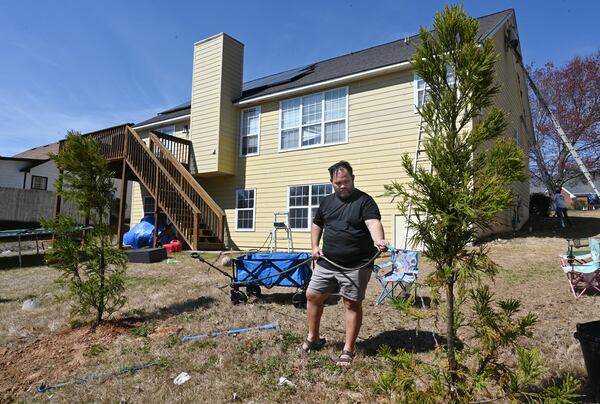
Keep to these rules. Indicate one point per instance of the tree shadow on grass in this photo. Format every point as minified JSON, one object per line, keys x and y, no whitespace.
{"x":2,"y":300}
{"x":409,"y":340}
{"x":285,"y":298}
{"x":583,"y":227}
{"x":172,"y":310}
{"x":27,"y":260}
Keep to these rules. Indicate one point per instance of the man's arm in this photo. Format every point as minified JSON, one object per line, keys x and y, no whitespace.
{"x":376,"y":230}
{"x":315,"y":238}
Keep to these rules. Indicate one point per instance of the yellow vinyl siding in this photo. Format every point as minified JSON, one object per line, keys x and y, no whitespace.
{"x":137,"y":204}
{"x":513,"y":98}
{"x":204,"y":122}
{"x":376,"y":141}
{"x":217,"y":81}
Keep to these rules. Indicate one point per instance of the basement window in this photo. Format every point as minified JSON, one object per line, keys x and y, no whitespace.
{"x":303,"y":202}
{"x":148,"y":205}
{"x":245,"y":209}
{"x":38,"y":182}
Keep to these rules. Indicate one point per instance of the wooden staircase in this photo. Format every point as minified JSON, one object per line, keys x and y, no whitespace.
{"x":161,"y":166}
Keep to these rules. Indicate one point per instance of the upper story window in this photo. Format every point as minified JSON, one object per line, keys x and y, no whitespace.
{"x":38,"y":182}
{"x":166,"y":130}
{"x":303,"y":201}
{"x":245,"y":209}
{"x":421,"y":95}
{"x":314,"y":120}
{"x":250,"y":131}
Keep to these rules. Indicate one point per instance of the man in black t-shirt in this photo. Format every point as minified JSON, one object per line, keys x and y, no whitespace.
{"x":350,"y":224}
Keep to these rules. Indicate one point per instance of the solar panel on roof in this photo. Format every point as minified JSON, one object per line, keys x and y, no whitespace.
{"x":279,"y":78}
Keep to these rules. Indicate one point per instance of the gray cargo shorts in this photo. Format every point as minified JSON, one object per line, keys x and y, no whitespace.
{"x":353,"y":284}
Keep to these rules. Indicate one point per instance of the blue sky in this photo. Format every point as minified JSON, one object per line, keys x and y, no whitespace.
{"x":85,"y":65}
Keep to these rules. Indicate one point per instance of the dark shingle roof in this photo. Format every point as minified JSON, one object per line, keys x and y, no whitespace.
{"x":368,"y":59}
{"x":39,"y":153}
{"x":581,"y":188}
{"x":180,"y":110}
{"x":372,"y":58}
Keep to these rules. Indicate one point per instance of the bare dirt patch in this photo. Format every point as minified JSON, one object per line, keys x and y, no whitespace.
{"x":169,"y":300}
{"x":51,"y":358}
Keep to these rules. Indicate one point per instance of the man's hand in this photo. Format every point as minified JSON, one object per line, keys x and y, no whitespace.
{"x":382,"y":245}
{"x":316,"y":253}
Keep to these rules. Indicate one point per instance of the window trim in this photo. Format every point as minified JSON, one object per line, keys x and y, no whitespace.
{"x":253,"y":210}
{"x":323,"y":121}
{"x":144,"y":205}
{"x":257,"y":134}
{"x":416,"y":78}
{"x":309,"y":207}
{"x":416,"y":90}
{"x":45,"y":182}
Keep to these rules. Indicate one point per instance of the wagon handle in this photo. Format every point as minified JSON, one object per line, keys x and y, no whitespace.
{"x":197,"y":256}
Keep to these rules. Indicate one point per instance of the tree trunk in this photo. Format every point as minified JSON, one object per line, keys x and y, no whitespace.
{"x":450,"y":335}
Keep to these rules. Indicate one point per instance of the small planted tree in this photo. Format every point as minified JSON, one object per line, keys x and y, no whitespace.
{"x":472,"y":165}
{"x":93,"y":271}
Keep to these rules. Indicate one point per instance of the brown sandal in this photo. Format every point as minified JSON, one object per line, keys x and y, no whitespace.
{"x":311,"y":346}
{"x":345,"y":362}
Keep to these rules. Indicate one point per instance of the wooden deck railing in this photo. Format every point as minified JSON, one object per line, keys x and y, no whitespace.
{"x":187,"y":205}
{"x":179,"y":148}
{"x":211,"y":215}
{"x":111,"y":141}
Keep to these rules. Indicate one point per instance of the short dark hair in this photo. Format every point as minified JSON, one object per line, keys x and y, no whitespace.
{"x":340,"y":165}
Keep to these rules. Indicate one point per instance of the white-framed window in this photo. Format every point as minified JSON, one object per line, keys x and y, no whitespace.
{"x":39,"y":182}
{"x":314,"y":120}
{"x":167,"y":130}
{"x":245,"y":206}
{"x":421,"y":94}
{"x":148,"y":205}
{"x":250,"y":132}
{"x":303,"y":201}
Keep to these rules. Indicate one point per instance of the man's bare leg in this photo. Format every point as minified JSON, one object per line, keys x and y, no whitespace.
{"x":354,"y":315}
{"x":314,"y":310}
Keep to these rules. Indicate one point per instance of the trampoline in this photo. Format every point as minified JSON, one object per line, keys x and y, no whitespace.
{"x":20,"y":233}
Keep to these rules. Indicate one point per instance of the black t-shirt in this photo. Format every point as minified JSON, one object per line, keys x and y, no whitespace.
{"x":346,"y":238}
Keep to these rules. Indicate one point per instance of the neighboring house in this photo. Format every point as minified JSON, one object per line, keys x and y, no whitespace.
{"x":580,"y":191}
{"x":264,"y":146}
{"x":31,"y":169}
{"x":571,"y":191}
{"x":27,"y":185}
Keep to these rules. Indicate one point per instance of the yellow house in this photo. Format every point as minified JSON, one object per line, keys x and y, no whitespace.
{"x":264,"y":146}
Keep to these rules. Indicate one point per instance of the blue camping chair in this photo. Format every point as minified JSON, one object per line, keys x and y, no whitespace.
{"x":404,"y":266}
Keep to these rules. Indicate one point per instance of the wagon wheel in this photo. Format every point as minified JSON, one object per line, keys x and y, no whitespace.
{"x":237,"y":297}
{"x":253,"y":290}
{"x":299,"y":299}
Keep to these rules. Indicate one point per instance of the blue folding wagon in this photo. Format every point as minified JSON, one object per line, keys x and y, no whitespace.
{"x":286,"y":269}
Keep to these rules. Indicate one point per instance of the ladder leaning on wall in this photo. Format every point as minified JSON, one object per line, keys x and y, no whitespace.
{"x":420,"y":159}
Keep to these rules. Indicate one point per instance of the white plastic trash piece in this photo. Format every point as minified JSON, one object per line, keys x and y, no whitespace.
{"x":182,"y":378}
{"x":30,"y":305}
{"x":285,"y":382}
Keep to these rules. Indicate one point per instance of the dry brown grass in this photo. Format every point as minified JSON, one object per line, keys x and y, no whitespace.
{"x":167,"y":301}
